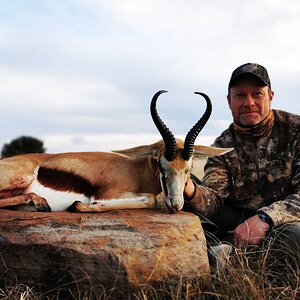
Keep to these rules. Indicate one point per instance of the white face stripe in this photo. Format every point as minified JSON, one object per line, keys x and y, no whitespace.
{"x":57,"y":200}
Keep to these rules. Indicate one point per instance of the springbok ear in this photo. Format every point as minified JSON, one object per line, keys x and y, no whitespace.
{"x":210,"y":151}
{"x":145,"y":150}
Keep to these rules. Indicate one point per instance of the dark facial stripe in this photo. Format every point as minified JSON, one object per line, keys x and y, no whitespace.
{"x":66,"y":182}
{"x":163,"y":179}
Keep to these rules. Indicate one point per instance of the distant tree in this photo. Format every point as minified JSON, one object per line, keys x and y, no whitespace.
{"x":21,"y":145}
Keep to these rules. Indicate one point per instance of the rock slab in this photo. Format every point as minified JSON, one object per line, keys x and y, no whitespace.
{"x":114,"y":249}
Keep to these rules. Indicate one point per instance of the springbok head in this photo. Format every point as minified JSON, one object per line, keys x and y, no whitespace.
{"x":175,"y":157}
{"x":176,"y":162}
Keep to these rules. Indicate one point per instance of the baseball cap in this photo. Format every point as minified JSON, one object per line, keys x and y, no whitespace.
{"x":256,"y":70}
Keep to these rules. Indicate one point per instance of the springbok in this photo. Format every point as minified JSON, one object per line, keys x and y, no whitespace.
{"x":103,"y":181}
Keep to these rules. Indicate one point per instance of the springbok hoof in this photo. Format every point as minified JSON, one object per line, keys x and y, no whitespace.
{"x":73,"y":207}
{"x":44,"y":208}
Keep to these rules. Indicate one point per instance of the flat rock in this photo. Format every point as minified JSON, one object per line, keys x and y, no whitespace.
{"x":113,"y":249}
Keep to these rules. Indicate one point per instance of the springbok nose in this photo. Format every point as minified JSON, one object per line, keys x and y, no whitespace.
{"x":174,"y":204}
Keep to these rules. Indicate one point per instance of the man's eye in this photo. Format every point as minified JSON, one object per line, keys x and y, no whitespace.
{"x":239,"y":95}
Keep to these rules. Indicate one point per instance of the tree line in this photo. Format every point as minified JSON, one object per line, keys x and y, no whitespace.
{"x":22,"y":145}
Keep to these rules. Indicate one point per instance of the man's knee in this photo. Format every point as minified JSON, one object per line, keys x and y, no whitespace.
{"x":283,"y":246}
{"x":287,"y":236}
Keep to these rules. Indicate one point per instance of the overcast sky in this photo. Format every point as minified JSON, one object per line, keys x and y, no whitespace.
{"x":80,"y":74}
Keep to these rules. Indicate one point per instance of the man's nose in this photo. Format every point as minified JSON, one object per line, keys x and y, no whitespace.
{"x":249,"y":100}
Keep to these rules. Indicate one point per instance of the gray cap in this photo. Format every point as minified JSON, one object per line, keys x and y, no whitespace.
{"x":256,"y":70}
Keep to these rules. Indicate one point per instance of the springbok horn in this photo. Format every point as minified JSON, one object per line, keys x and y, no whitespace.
{"x":167,"y":135}
{"x":193,"y":133}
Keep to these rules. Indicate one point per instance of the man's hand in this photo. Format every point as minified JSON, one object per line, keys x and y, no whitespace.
{"x":250,"y":232}
{"x":189,"y":190}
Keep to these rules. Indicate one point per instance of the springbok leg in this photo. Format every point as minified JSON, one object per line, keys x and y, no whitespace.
{"x":132,"y":201}
{"x":30,"y":198}
{"x":17,"y":173}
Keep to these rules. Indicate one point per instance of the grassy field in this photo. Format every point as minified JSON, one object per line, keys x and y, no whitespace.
{"x":244,"y":277}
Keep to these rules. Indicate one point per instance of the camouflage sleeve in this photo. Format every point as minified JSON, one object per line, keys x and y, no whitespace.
{"x":288,"y":210}
{"x":209,"y":197}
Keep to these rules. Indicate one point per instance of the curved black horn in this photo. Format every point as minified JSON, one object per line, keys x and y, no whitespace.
{"x":193,"y":133}
{"x":167,"y":135}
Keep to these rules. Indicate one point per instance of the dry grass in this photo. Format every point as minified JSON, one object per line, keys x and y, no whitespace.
{"x":244,"y":277}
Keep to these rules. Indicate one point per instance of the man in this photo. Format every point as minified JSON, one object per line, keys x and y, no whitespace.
{"x":253,"y":191}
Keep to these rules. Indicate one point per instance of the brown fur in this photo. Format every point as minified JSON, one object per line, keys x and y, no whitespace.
{"x":130,"y":173}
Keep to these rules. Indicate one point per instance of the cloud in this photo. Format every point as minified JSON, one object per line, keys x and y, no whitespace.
{"x":106,"y":142}
{"x":76,"y":69}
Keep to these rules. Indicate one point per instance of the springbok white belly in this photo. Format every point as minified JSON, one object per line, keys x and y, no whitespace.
{"x":57,"y":200}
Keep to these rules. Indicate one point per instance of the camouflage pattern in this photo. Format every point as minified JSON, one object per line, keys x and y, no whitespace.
{"x":259,"y":174}
{"x":254,"y":69}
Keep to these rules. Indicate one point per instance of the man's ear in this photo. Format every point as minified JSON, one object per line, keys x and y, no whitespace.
{"x":271,"y":93}
{"x":228,"y":100}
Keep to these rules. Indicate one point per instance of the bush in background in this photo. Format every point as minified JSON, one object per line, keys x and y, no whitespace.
{"x":22,"y":145}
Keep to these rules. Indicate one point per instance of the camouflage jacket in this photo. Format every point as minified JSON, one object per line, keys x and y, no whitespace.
{"x":259,"y":174}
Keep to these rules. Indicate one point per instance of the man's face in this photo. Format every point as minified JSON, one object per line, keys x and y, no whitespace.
{"x":249,"y":102}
